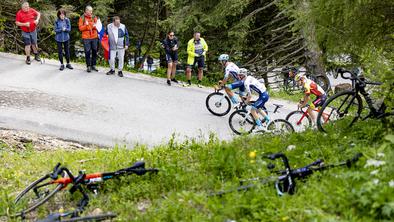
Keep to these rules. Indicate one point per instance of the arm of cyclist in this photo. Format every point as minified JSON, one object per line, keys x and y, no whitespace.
{"x":304,"y":101}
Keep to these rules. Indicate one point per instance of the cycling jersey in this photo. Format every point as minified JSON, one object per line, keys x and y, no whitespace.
{"x":252,"y":84}
{"x":310,"y":87}
{"x":231,"y":70}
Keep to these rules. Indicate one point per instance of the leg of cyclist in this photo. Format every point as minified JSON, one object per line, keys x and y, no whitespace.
{"x":319,"y":101}
{"x":229,"y":87}
{"x":259,"y":105}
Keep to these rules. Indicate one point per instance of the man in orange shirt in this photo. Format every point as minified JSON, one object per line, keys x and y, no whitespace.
{"x":87,"y":25}
{"x":27,"y":19}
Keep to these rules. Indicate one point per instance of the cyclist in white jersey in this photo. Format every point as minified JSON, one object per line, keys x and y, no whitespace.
{"x":251,"y":84}
{"x":231,"y":71}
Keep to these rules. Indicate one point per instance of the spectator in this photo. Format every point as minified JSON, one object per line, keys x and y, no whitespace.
{"x":170,"y":45}
{"x":87,"y":25}
{"x":149,"y":61}
{"x":62,"y":29}
{"x":196,"y":50}
{"x":118,"y":38}
{"x":27,"y":19}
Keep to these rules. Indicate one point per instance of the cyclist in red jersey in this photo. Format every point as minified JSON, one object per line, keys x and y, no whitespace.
{"x":310,"y":87}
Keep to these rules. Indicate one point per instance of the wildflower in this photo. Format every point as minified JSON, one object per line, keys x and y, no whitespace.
{"x":374,"y":172}
{"x":391,"y":183}
{"x":375,"y":163}
{"x":291,"y":147}
{"x":380,"y":154}
{"x":375,"y":181}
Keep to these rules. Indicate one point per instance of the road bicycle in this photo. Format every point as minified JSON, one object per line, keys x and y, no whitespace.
{"x":242,"y":121}
{"x":286,"y":181}
{"x":348,"y":105}
{"x":300,"y":119}
{"x":45,"y":188}
{"x":219,"y":104}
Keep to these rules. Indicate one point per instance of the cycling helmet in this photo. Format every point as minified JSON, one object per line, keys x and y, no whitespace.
{"x":224,"y":57}
{"x":243,"y":72}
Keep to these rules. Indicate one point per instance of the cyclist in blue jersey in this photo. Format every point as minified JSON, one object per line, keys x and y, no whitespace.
{"x":230,"y":71}
{"x":251,"y":84}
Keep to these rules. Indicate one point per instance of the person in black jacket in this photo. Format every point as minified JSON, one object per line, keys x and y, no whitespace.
{"x":170,"y":45}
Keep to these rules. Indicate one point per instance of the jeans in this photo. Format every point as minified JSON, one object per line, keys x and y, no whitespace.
{"x":66,"y":45}
{"x":90,"y":47}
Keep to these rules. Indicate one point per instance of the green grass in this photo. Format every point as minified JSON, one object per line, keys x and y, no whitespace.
{"x":192,"y":169}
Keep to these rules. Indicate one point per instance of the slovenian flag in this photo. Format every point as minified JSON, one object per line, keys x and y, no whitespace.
{"x":103,"y":38}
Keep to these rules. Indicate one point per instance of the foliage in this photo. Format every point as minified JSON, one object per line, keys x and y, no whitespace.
{"x":191,"y":169}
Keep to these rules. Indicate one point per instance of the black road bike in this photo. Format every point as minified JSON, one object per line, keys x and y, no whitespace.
{"x":286,"y":181}
{"x":348,"y":105}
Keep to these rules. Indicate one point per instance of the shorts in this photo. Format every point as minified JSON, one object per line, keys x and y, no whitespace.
{"x":172,"y":57}
{"x":260,"y":102}
{"x":200,"y":62}
{"x":319,"y":101}
{"x":29,"y":38}
{"x":238,"y":85}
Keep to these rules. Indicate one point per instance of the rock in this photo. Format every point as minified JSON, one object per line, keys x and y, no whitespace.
{"x":342,"y":87}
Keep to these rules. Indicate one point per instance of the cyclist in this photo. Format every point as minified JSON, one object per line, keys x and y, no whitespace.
{"x":310,"y":87}
{"x":251,"y":84}
{"x":231,"y":71}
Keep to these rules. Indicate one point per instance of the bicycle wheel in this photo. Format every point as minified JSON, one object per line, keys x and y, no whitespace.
{"x":36,"y":194}
{"x":240,"y":122}
{"x":290,"y":86}
{"x":99,"y":217}
{"x":280,"y":126}
{"x":346,"y":106}
{"x":218,"y":104}
{"x":299,"y":120}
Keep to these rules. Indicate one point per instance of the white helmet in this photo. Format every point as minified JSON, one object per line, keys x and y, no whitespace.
{"x":243,"y":72}
{"x":224,"y":57}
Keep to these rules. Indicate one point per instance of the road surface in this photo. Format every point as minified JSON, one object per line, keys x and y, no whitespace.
{"x":104,"y":110}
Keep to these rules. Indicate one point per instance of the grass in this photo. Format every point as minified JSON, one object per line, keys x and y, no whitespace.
{"x":191,"y":170}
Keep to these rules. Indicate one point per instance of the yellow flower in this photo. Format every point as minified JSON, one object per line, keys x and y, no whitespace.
{"x":252,"y":154}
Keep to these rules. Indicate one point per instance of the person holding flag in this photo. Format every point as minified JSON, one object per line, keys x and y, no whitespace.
{"x":89,"y":25}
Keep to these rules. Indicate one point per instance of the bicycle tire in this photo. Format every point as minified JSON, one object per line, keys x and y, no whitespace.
{"x":294,"y":118}
{"x":238,"y":116}
{"x":218,"y":104}
{"x":99,"y":217}
{"x":29,"y":191}
{"x":276,"y":129}
{"x":334,"y":112}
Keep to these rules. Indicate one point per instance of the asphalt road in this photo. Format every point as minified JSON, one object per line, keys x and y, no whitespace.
{"x":104,"y":110}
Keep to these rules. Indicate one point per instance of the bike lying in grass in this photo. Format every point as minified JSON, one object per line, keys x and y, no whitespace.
{"x":348,"y":104}
{"x":242,"y":121}
{"x":45,"y":188}
{"x":286,"y":181}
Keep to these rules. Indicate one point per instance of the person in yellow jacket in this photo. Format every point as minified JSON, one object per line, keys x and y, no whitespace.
{"x":196,"y":51}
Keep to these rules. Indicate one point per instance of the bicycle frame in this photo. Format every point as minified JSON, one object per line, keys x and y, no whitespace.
{"x":306,"y":114}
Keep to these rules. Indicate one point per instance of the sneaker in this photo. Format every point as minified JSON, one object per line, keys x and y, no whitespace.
{"x":68,"y":66}
{"x":61,"y":67}
{"x":37,"y":57}
{"x":174,"y":80}
{"x":120,"y":73}
{"x":28,"y":60}
{"x":199,"y":85}
{"x":89,"y":69}
{"x":186,"y":84}
{"x":94,"y":68}
{"x":259,"y":129}
{"x":111,"y":72}
{"x":168,"y":82}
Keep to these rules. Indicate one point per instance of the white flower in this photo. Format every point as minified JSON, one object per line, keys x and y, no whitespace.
{"x":291,"y":147}
{"x":380,"y":154}
{"x":391,"y":183}
{"x":375,"y":181}
{"x":375,"y":163}
{"x":374,"y":172}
